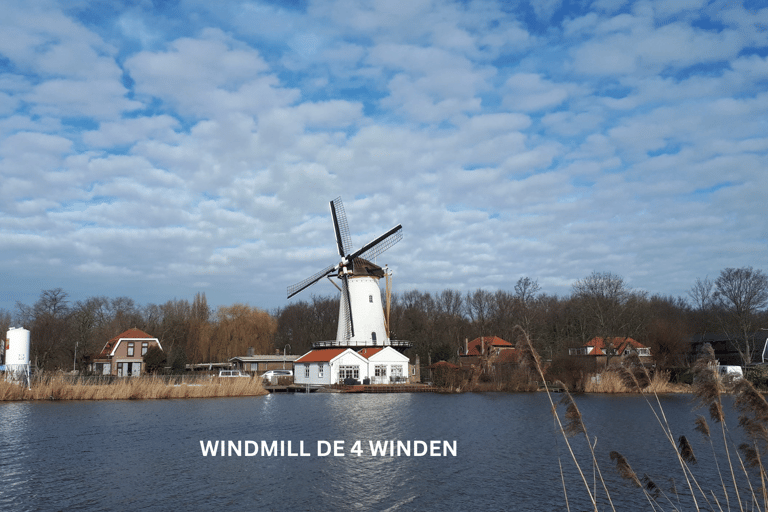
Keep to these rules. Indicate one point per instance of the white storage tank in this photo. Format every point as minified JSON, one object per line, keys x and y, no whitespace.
{"x":17,"y":349}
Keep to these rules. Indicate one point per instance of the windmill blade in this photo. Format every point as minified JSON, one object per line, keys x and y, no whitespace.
{"x":375,"y":247}
{"x":296,"y":288}
{"x":341,"y":227}
{"x":347,"y":301}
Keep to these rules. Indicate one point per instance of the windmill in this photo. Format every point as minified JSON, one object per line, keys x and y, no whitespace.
{"x":361,"y":316}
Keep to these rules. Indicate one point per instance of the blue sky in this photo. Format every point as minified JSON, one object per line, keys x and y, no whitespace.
{"x":159,"y":149}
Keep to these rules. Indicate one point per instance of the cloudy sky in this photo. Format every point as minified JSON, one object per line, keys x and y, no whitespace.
{"x":159,"y":149}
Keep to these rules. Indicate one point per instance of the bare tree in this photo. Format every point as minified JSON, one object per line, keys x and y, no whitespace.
{"x":48,"y":326}
{"x":609,"y":306}
{"x":526,"y":289}
{"x":702,"y":294}
{"x":742,"y":293}
{"x":479,"y":305}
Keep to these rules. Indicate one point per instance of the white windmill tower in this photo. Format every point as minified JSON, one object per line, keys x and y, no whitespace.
{"x":361,"y":315}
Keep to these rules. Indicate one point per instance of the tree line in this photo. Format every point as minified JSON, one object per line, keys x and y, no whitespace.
{"x":64,"y":333}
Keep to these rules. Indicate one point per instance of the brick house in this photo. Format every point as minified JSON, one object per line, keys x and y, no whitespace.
{"x":123,"y":355}
{"x":603,"y":349}
{"x":488,"y":349}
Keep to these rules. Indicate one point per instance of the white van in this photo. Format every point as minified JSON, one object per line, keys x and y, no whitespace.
{"x":730,"y":372}
{"x":232,"y":373}
{"x":273,"y":375}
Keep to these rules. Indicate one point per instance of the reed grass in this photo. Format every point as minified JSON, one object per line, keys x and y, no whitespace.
{"x":58,"y":387}
{"x":611,"y":381}
{"x":745,"y":458}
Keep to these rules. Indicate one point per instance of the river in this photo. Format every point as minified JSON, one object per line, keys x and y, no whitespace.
{"x":149,"y":454}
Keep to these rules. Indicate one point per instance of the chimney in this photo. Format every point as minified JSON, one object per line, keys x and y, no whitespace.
{"x":466,"y":346}
{"x":250,"y":351}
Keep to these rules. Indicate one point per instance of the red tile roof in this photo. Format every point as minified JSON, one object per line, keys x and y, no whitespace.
{"x":619,"y":344}
{"x":130,"y":333}
{"x":320,"y":356}
{"x":369,"y":351}
{"x":473,"y":347}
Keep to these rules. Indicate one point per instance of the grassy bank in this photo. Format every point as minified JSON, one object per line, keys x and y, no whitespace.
{"x":59,"y":387}
{"x":612,"y":382}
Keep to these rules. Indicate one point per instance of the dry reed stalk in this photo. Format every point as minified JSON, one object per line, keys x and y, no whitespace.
{"x":575,"y":425}
{"x":635,"y":375}
{"x":611,"y":381}
{"x":58,"y":388}
{"x":708,"y":389}
{"x":531,"y":359}
{"x":626,"y":472}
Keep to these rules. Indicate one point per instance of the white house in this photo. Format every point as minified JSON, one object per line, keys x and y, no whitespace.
{"x":385,"y":365}
{"x":323,"y":367}
{"x":329,"y":366}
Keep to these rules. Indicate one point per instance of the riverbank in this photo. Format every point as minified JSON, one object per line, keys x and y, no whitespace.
{"x":59,"y":387}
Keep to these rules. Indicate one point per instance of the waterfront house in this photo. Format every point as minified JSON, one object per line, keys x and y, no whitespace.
{"x":324,"y":367}
{"x":374,"y":365}
{"x":488,"y":349}
{"x":386,"y":365}
{"x":123,"y":355}
{"x":603,"y":349}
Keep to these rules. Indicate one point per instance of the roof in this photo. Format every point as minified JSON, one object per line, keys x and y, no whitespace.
{"x":474,"y":346}
{"x":130,"y":334}
{"x":619,"y":344}
{"x":362,"y":267}
{"x":444,"y":365}
{"x":271,"y":357}
{"x":369,"y":351}
{"x":321,"y":356}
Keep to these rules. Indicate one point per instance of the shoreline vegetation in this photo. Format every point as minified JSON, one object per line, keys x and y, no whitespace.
{"x":67,"y":387}
{"x":609,"y":381}
{"x":64,"y":387}
{"x":740,"y":468}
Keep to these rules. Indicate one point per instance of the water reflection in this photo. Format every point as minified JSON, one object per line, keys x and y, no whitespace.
{"x":146,"y":454}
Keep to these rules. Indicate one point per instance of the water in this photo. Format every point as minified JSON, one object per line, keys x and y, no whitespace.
{"x":146,"y":455}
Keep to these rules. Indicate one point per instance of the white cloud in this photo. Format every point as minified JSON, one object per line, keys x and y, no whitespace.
{"x":626,"y":139}
{"x":528,"y":92}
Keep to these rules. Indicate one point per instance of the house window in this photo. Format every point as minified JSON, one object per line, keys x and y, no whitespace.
{"x":349,"y":372}
{"x":373,"y":337}
{"x":381,"y":370}
{"x":144,"y":348}
{"x":320,"y":369}
{"x":130,"y":349}
{"x":397,"y":370}
{"x":306,"y":370}
{"x":370,"y":299}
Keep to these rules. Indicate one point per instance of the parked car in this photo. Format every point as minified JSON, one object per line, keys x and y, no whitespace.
{"x":232,"y":373}
{"x":730,"y":372}
{"x":273,"y":375}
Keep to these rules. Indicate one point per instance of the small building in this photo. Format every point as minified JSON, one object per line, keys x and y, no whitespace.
{"x":325,"y":367}
{"x":386,"y":365}
{"x":258,"y":364}
{"x":603,"y":349}
{"x":488,"y":349}
{"x":123,"y":355}
{"x":374,"y":365}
